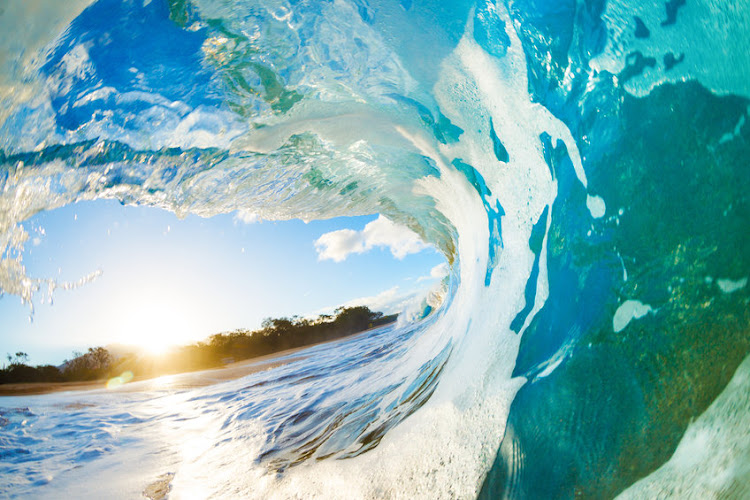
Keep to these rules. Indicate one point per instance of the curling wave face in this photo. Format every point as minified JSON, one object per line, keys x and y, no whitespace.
{"x":580,"y":165}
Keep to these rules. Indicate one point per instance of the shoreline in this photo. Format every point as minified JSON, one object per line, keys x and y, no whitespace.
{"x":182,"y":380}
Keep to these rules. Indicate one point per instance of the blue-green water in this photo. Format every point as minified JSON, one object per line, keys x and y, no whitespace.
{"x":582,"y":165}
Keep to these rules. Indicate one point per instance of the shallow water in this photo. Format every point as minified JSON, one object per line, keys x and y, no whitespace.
{"x":312,"y":407}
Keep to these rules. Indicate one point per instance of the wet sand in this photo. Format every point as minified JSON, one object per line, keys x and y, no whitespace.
{"x":184,"y":380}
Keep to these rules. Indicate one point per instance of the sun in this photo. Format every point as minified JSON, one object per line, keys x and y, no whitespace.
{"x":155,"y":323}
{"x":156,"y":348}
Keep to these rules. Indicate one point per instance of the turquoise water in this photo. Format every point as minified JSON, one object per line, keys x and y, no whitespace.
{"x":582,"y":166}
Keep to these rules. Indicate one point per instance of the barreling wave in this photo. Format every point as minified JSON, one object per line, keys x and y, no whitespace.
{"x":582,"y":166}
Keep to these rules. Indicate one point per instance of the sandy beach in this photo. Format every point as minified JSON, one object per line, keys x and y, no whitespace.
{"x":184,"y":380}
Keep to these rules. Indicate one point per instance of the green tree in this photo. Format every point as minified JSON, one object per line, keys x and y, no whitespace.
{"x":95,"y":363}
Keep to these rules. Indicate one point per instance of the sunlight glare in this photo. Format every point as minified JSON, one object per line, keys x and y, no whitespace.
{"x":156,"y":321}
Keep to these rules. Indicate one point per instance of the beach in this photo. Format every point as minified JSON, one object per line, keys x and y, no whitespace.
{"x":185,"y":380}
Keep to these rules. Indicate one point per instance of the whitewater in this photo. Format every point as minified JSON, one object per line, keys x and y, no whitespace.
{"x":582,"y":165}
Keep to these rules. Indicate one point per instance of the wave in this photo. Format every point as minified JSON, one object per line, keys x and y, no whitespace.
{"x":580,"y":165}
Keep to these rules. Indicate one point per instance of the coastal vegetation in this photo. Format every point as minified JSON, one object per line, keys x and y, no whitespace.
{"x":275,"y":335}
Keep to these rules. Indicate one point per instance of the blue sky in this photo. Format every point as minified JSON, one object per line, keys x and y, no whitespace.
{"x":171,"y":281}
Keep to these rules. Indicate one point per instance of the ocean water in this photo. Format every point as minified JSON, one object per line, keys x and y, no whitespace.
{"x":583,"y":166}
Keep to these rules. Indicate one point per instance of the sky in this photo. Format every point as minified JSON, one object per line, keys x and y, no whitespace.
{"x":166,"y":281}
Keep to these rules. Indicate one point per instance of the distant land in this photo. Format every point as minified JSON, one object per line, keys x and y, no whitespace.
{"x":98,"y":364}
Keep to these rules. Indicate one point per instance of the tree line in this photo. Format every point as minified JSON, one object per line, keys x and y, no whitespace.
{"x":275,"y":335}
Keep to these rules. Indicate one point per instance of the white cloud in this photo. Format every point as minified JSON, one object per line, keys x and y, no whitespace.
{"x":338,"y":245}
{"x":436,"y":273}
{"x":409,"y":305}
{"x":387,"y":301}
{"x":439,"y":271}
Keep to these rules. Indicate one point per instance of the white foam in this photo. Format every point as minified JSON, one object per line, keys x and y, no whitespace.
{"x":731,"y":286}
{"x":719,"y":59}
{"x":628,"y":311}
{"x":730,"y":136}
{"x":712,"y":459}
{"x":596,"y":206}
